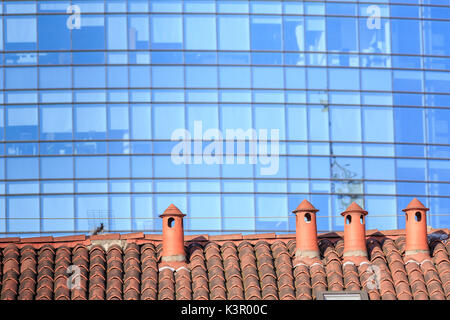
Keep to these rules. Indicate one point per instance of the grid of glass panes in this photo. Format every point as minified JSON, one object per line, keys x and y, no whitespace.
{"x":87,"y":114}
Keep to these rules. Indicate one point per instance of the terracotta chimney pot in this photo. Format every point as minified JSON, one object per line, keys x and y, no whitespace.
{"x":416,"y":229}
{"x":355,"y":232}
{"x":306,"y":231}
{"x":173,"y":235}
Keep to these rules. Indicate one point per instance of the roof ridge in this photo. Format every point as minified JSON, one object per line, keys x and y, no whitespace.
{"x":151,"y":237}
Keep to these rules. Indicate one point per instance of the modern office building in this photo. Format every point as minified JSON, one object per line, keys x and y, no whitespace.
{"x":94,"y":96}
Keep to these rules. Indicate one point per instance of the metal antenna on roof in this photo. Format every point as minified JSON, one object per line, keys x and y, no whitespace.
{"x":99,"y":229}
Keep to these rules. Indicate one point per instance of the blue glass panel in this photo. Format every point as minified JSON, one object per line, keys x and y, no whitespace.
{"x":293,"y":33}
{"x":346,"y":123}
{"x":234,"y":33}
{"x":139,"y":76}
{"x":268,"y":77}
{"x":22,"y":188}
{"x":90,"y":122}
{"x":138,"y":32}
{"x":387,"y":218}
{"x":405,"y":11}
{"x":266,"y":33}
{"x":439,"y":126}
{"x":2,"y":123}
{"x":318,"y":123}
{"x":406,"y":36}
{"x":408,"y":81}
{"x":228,"y":6}
{"x":342,"y":34}
{"x":228,"y":77}
{"x":437,"y":81}
{"x":346,"y":9}
{"x":56,"y":122}
{"x":343,"y":79}
{"x":378,"y":169}
{"x":270,"y":118}
{"x":378,"y":124}
{"x":324,"y":203}
{"x":411,"y":188}
{"x":315,"y":34}
{"x":141,"y":166}
{"x":116,"y":27}
{"x":200,"y":32}
{"x":411,"y":169}
{"x":439,"y":208}
{"x":439,"y":170}
{"x":295,"y":78}
{"x":22,"y":168}
{"x":167,"y":76}
{"x":408,"y":99}
{"x":23,"y":214}
{"x":118,"y":122}
{"x":436,"y":37}
{"x":267,"y":58}
{"x":235,"y":117}
{"x":89,"y":77}
{"x":56,"y":148}
{"x":316,"y":78}
{"x":166,"y":32}
{"x":119,"y":166}
{"x":21,"y":148}
{"x":409,"y":126}
{"x":296,"y":122}
{"x":163,"y":129}
{"x":90,"y":35}
{"x":55,"y":77}
{"x":200,"y":58}
{"x":57,"y":168}
{"x":272,"y":213}
{"x":120,"y":207}
{"x":88,"y":57}
{"x":409,"y":150}
{"x":20,"y":78}
{"x":143,"y":212}
{"x":201,"y":77}
{"x":239,"y":211}
{"x":53,"y":32}
{"x":20,"y":33}
{"x":201,"y":219}
{"x":298,"y":167}
{"x":376,"y":80}
{"x":204,"y":170}
{"x":91,"y":167}
{"x":407,"y":62}
{"x":166,"y":6}
{"x":58,"y":213}
{"x":91,"y":147}
{"x":21,"y":123}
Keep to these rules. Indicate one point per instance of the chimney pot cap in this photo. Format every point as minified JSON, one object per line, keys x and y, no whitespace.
{"x":172,"y":211}
{"x":305,"y":205}
{"x":354,"y":207}
{"x":415,"y":204}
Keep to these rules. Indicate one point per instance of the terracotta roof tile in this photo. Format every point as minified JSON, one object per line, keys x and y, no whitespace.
{"x":218,"y":267}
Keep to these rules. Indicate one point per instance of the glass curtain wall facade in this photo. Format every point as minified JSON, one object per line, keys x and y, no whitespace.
{"x":91,"y":92}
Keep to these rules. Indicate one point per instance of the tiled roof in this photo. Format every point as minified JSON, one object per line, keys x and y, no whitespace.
{"x":260,"y":266}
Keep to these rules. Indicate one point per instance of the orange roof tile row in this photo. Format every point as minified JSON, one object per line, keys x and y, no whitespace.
{"x":218,"y":267}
